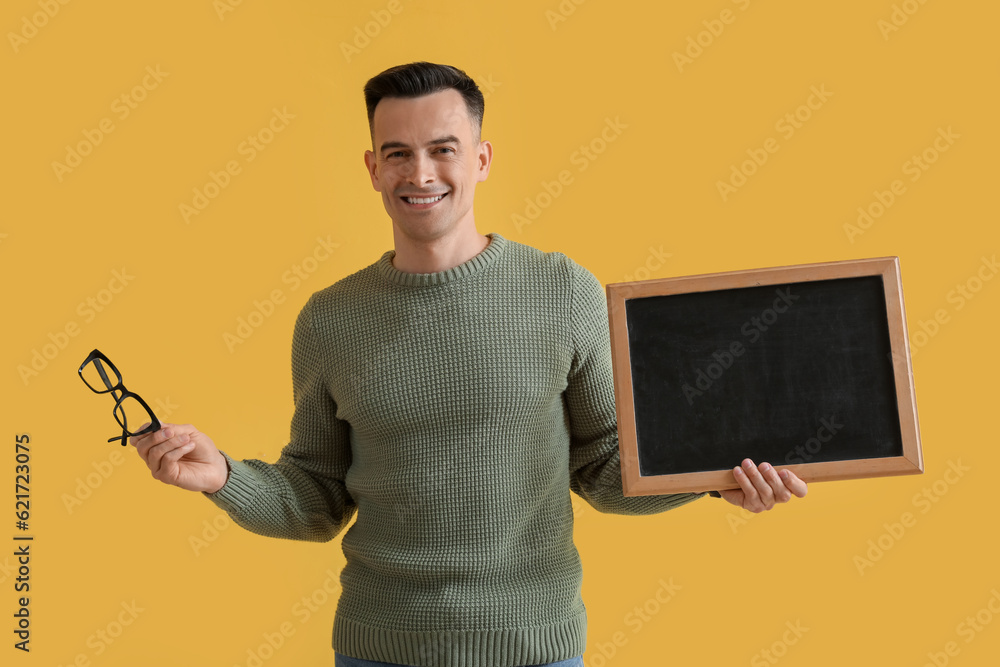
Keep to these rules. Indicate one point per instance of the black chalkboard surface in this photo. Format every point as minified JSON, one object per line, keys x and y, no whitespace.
{"x":804,"y":367}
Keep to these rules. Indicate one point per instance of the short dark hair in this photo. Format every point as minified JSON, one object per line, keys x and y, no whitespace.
{"x":423,"y":78}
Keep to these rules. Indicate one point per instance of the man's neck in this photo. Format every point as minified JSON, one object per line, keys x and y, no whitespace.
{"x":437,"y":255}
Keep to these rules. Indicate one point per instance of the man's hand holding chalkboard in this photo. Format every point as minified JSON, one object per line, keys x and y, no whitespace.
{"x":762,"y":486}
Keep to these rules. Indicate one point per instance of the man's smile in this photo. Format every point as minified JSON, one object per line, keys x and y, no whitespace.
{"x":423,"y":202}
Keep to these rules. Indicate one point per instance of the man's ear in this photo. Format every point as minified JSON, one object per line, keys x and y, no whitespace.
{"x":485,"y":159}
{"x":371,"y":164}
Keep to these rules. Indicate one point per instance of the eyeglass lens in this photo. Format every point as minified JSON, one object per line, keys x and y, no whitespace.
{"x":131,"y":411}
{"x":98,"y":379}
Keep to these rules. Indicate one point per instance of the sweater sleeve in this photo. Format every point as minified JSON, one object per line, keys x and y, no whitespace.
{"x":302,"y":496}
{"x":594,"y":463}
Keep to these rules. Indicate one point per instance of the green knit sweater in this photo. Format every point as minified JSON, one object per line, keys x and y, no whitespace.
{"x":454,"y":412}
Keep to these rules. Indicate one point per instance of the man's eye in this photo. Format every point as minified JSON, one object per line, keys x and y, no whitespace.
{"x":394,"y":154}
{"x":445,"y":148}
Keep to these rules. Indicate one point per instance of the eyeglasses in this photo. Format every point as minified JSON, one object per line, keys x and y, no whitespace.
{"x":92,"y":372}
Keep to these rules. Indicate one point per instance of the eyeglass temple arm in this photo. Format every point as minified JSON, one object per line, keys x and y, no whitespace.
{"x":104,"y":376}
{"x":123,"y":437}
{"x":114,"y":394}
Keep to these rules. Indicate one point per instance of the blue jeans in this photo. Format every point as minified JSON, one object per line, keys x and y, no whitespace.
{"x":345,"y":661}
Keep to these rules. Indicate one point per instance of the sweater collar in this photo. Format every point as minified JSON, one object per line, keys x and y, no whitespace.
{"x":473,"y":266}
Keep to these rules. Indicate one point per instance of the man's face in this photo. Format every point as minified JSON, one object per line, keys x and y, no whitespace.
{"x":426,"y":147}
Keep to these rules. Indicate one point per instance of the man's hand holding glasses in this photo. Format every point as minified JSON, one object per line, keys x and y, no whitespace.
{"x":181,"y":455}
{"x":177,"y":454}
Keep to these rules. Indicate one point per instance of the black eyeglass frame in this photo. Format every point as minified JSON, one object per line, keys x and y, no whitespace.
{"x":97,"y":357}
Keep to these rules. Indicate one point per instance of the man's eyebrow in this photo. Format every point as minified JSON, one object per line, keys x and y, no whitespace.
{"x":450,"y":139}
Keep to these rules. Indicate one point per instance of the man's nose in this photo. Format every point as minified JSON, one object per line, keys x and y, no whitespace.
{"x":421,"y":170}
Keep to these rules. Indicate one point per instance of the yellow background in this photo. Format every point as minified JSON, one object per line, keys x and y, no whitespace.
{"x":551,"y":86}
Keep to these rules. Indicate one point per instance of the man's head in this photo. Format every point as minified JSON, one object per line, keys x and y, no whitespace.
{"x":424,"y":78}
{"x":426,"y":122}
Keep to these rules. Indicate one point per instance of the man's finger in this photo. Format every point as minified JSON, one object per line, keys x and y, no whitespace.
{"x":150,"y":440}
{"x":780,"y":493}
{"x":794,"y":484}
{"x":764,"y":492}
{"x":133,"y":440}
{"x":751,"y":499}
{"x":138,"y":439}
{"x":158,"y":451}
{"x":169,"y":459}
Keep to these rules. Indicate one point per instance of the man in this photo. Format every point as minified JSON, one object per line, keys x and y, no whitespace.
{"x":452,"y":394}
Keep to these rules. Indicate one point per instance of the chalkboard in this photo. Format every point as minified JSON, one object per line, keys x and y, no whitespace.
{"x":806,"y":367}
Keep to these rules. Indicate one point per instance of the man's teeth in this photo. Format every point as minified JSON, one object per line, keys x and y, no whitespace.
{"x":415,"y":200}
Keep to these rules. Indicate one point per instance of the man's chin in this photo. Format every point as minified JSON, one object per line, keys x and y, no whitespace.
{"x":422,"y":230}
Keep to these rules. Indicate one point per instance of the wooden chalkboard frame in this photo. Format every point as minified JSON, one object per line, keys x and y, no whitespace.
{"x":635,"y":484}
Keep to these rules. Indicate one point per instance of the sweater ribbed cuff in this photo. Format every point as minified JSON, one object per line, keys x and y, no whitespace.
{"x":239,"y":489}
